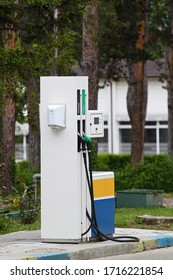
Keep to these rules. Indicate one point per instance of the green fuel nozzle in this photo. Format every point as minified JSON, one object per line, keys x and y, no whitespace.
{"x":87,"y":138}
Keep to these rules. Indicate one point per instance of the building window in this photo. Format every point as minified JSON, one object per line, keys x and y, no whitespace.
{"x":150,"y":140}
{"x":103,"y":141}
{"x":21,"y":147}
{"x":163,"y":136}
{"x":155,"y":141}
{"x":124,"y":137}
{"x":125,"y":140}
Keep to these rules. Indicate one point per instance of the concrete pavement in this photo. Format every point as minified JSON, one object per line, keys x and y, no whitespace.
{"x":28,"y":245}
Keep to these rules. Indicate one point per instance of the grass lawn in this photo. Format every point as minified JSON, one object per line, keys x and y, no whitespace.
{"x":124,"y":217}
{"x":8,"y":225}
{"x":127,"y":217}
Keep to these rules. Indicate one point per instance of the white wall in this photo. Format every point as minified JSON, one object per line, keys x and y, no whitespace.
{"x":157,"y":101}
{"x":156,"y":106}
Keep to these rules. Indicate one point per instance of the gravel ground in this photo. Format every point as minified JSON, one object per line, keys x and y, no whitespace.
{"x":168,"y":202}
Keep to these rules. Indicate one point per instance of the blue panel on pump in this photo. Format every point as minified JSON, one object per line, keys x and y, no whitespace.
{"x":105,"y":216}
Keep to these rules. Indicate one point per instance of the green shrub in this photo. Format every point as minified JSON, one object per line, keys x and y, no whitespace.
{"x":24,"y":175}
{"x":8,"y":225}
{"x":113,"y":162}
{"x":155,"y":173}
{"x":5,"y":224}
{"x":99,"y":165}
{"x":155,"y":158}
{"x":148,"y":175}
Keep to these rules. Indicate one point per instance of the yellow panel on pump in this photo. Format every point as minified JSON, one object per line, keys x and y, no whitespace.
{"x":103,"y":184}
{"x":104,"y":201}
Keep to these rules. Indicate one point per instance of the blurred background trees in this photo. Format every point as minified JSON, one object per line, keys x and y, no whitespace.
{"x":56,"y":37}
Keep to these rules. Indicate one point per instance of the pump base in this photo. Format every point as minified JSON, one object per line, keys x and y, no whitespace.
{"x":96,"y":238}
{"x":68,"y":241}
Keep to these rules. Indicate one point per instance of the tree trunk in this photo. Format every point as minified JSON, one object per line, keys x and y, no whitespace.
{"x":90,"y":52}
{"x":33,"y":98}
{"x":169,"y":60}
{"x":1,"y":102}
{"x":7,"y":177}
{"x":8,"y":145}
{"x":1,"y":98}
{"x":137,"y":91}
{"x":136,"y":105}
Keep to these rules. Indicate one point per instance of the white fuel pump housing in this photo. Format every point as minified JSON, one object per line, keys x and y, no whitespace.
{"x":63,"y":106}
{"x":65,"y":187}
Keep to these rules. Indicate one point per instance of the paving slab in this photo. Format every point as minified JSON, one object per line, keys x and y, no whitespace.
{"x":28,"y":245}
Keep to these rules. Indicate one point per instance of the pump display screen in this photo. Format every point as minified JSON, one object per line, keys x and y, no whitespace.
{"x":95,"y":123}
{"x":96,"y":120}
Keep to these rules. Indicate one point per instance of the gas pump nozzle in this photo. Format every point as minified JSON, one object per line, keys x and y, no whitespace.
{"x":87,"y":138}
{"x":81,"y":140}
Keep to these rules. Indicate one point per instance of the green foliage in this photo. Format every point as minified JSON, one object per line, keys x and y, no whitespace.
{"x":13,"y":169}
{"x":159,"y":29}
{"x":114,"y":162}
{"x":155,"y":173}
{"x":38,"y":35}
{"x":119,"y":32}
{"x":29,"y":209}
{"x":5,"y":224}
{"x":24,"y":176}
{"x":148,"y":175}
{"x":8,"y":225}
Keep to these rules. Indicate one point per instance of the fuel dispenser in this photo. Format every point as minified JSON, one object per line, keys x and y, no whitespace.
{"x":77,"y":204}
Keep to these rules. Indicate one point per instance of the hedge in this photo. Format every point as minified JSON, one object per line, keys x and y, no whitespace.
{"x":156,"y":172}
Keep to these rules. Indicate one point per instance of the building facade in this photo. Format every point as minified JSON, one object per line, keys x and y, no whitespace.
{"x":117,"y":128}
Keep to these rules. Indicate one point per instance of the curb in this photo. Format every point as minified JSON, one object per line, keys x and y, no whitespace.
{"x":108,"y":249}
{"x":49,"y":256}
{"x":164,"y":241}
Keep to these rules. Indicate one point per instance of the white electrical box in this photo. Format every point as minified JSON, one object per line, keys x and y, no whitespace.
{"x":56,"y":115}
{"x":95,"y":122}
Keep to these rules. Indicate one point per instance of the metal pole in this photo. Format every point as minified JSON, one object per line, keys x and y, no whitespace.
{"x":56,"y":29}
{"x":111,"y":115}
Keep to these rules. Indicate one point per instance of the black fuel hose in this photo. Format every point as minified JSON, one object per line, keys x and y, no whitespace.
{"x":93,"y":220}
